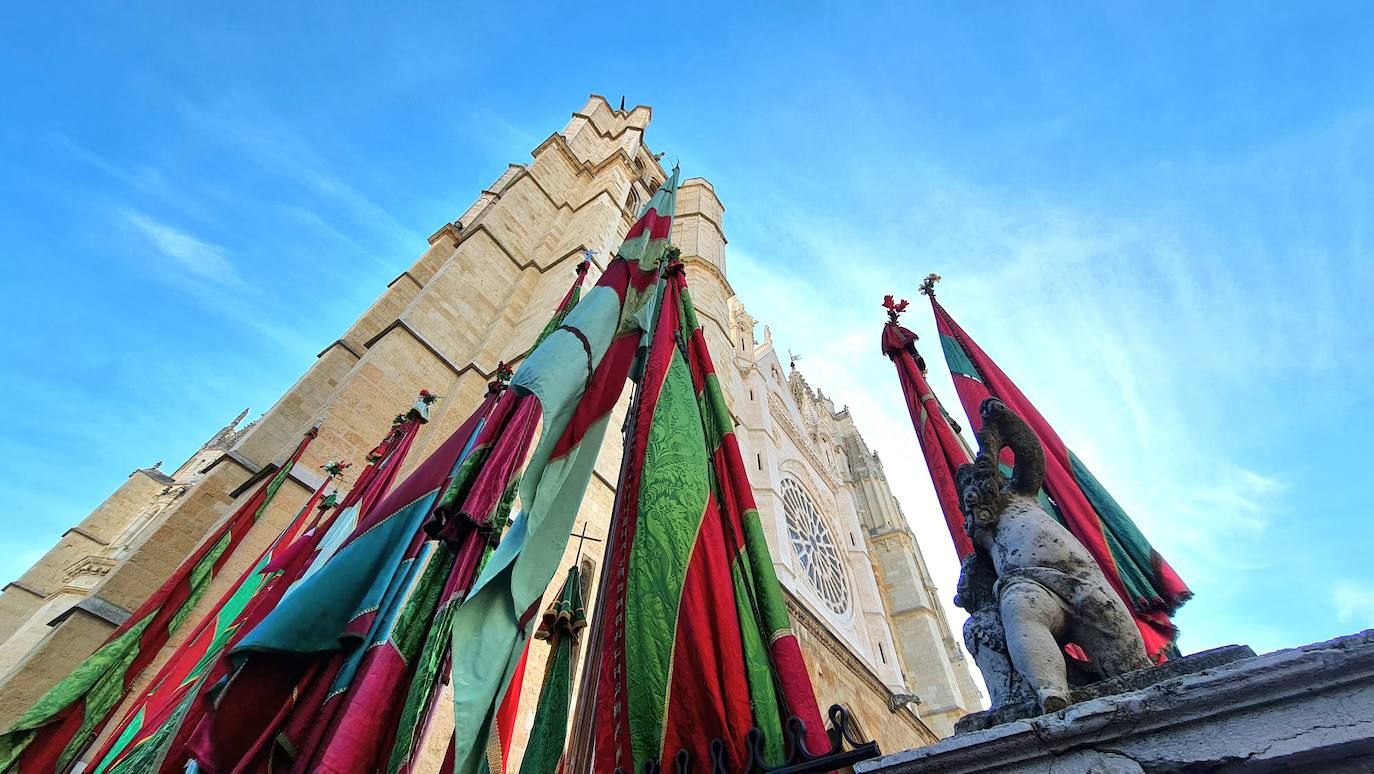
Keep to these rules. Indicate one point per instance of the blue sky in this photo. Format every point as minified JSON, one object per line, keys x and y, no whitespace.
{"x":1156,"y":217}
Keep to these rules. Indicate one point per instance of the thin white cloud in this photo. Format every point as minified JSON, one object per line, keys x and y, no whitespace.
{"x":201,"y":271}
{"x":1354,"y":602}
{"x":264,"y":138}
{"x":201,"y":259}
{"x":144,"y":179}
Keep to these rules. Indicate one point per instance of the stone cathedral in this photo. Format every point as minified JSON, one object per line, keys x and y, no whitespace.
{"x":863,"y":605}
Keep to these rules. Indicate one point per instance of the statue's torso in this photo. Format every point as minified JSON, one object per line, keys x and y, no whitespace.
{"x":1027,"y":537}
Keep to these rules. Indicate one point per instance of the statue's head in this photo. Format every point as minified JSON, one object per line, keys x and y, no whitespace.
{"x":993,"y":410}
{"x":982,"y":496}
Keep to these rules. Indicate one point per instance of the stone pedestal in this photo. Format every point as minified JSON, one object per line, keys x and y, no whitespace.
{"x":1306,"y":709}
{"x":1131,"y":681}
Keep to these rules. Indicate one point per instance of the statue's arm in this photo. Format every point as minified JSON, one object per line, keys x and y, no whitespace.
{"x":1028,"y":471}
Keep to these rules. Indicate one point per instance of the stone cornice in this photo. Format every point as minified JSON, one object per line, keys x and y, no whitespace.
{"x":712,"y":318}
{"x":713,"y":270}
{"x":22,"y":587}
{"x":344,"y":345}
{"x":448,"y":229}
{"x":402,"y":326}
{"x":83,"y":533}
{"x":414,"y":334}
{"x":576,"y":252}
{"x":890,"y":536}
{"x":563,"y":205}
{"x":805,"y":618}
{"x":407,"y":275}
{"x":96,"y":607}
{"x":579,"y":167}
{"x":254,"y":475}
{"x":615,"y":111}
{"x":156,"y":475}
{"x":612,"y":134}
{"x":609,"y":483}
{"x":586,"y":168}
{"x":257,"y":473}
{"x":496,"y":192}
{"x":94,"y":565}
{"x":714,"y":223}
{"x":921,"y":610}
{"x":582,"y":169}
{"x":306,"y":477}
{"x":238,"y":459}
{"x":574,"y":162}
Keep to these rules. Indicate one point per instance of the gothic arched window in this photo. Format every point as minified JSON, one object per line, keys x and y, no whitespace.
{"x":815,"y":547}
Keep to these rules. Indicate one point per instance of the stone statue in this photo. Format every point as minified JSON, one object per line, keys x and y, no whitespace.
{"x":1030,"y":587}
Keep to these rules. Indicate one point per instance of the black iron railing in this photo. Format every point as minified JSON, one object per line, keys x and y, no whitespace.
{"x":800,"y":761}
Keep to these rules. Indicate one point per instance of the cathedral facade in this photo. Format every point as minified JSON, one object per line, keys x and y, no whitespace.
{"x":863,"y":605}
{"x":850,"y":566}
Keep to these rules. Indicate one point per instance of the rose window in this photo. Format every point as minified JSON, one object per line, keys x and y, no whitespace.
{"x":815,"y":548}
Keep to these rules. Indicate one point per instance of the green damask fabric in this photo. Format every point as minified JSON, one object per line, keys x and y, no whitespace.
{"x":674,"y":483}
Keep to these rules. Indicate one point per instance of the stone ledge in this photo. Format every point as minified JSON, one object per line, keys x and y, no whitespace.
{"x":584,"y":168}
{"x":625,"y":114}
{"x":713,"y":270}
{"x":22,"y":587}
{"x":299,"y":475}
{"x":1131,"y":681}
{"x":95,"y":606}
{"x":156,"y":475}
{"x":921,"y":610}
{"x":238,"y":459}
{"x":83,"y":533}
{"x":407,"y":275}
{"x":1304,"y":709}
{"x":449,"y":229}
{"x":530,"y":264}
{"x":92,"y":565}
{"x":699,"y":214}
{"x":419,"y":339}
{"x":342,"y":344}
